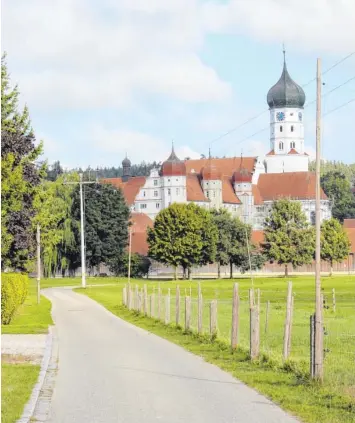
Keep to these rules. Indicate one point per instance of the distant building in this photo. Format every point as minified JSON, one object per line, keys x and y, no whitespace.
{"x":246,"y":186}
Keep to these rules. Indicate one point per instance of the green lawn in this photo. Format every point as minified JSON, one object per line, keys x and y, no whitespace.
{"x":334,"y":402}
{"x":17,"y":381}
{"x":31,"y":317}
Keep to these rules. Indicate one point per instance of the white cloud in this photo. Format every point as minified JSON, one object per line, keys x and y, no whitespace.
{"x":308,"y":25}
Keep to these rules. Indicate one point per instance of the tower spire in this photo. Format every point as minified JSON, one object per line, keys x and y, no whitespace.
{"x":209,"y":152}
{"x":284,"y":53}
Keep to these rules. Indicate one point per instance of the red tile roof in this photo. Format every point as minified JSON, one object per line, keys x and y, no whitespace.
{"x":228,"y":193}
{"x":349,"y":223}
{"x":293,"y":151}
{"x":351,"y":235}
{"x":194,"y":190}
{"x":227,"y":166}
{"x":258,"y":199}
{"x":140,"y":222}
{"x":129,"y":188}
{"x":271,"y":153}
{"x":296,"y":185}
{"x":257,"y":237}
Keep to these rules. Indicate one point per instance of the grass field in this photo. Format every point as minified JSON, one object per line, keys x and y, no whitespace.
{"x":17,"y":381}
{"x":31,"y":317}
{"x":334,"y":402}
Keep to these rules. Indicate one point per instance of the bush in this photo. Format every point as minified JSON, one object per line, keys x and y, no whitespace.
{"x":14,"y":290}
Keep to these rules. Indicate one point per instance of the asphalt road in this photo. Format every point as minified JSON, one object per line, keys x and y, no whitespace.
{"x":111,"y":372}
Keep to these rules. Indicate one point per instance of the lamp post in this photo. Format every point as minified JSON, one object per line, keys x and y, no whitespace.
{"x":82,"y":234}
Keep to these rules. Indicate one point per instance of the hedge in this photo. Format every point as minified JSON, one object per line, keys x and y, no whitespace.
{"x":14,"y":290}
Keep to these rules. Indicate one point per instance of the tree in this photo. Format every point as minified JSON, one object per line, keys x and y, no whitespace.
{"x":338,"y":189}
{"x":21,"y":178}
{"x":289,"y":239}
{"x":58,"y":246}
{"x":54,"y":171}
{"x":183,"y":235}
{"x":335,"y":244}
{"x":140,"y":266}
{"x":106,"y":223}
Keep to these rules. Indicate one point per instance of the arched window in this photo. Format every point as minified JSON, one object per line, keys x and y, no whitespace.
{"x":291,"y":128}
{"x":293,"y":144}
{"x":280,"y":128}
{"x":281,"y":145}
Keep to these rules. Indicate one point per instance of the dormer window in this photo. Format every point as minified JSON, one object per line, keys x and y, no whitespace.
{"x":280,"y":128}
{"x":291,"y":128}
{"x":155,"y":182}
{"x":281,"y":145}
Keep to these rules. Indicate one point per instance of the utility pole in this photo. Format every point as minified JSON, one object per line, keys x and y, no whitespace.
{"x":82,"y":234}
{"x":38,"y":239}
{"x":318,"y":356}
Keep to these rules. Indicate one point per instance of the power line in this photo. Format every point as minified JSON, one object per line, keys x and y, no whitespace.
{"x":265,"y":110}
{"x":339,"y":107}
{"x":333,"y":89}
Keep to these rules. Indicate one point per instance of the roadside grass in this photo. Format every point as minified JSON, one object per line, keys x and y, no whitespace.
{"x":31,"y":318}
{"x":287,"y":385}
{"x":17,"y":381}
{"x":63,"y":282}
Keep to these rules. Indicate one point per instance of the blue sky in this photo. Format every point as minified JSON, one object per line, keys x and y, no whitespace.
{"x":102,"y":78}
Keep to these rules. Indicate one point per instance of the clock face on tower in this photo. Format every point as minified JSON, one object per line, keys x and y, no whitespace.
{"x":280,"y":116}
{"x":300,"y":116}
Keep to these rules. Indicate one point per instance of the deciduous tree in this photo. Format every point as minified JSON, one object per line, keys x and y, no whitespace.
{"x":289,"y":239}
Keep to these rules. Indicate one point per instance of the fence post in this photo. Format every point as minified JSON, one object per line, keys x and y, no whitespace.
{"x":150,"y":306}
{"x":167,"y":308}
{"x":213,"y":318}
{"x":177,"y":306}
{"x":159,"y":302}
{"x":136,"y":299}
{"x":334,"y":303}
{"x":199,"y":310}
{"x":251,"y":298}
{"x":311,"y":343}
{"x":267,"y":316}
{"x":290,"y":329}
{"x":286,"y":351}
{"x":129,"y":296}
{"x":235,"y":316}
{"x":141,"y":301}
{"x":153,"y":305}
{"x":254,"y":333}
{"x":187,"y":313}
{"x":124,"y":293}
{"x":258,"y":296}
{"x":145,"y":300}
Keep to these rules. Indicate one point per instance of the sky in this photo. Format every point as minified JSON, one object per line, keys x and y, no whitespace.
{"x":107,"y":78}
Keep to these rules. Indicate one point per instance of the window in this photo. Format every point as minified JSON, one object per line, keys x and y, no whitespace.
{"x":143,"y":193}
{"x":155,"y":182}
{"x":157,"y":205}
{"x":280,"y":128}
{"x":291,"y":114}
{"x":168,"y":180}
{"x":291,"y":128}
{"x":177,"y":191}
{"x":207,"y":194}
{"x":177,"y":180}
{"x":293,"y":144}
{"x":155,"y":193}
{"x":281,"y":145}
{"x":169,"y":191}
{"x":214,"y":193}
{"x":143,"y":206}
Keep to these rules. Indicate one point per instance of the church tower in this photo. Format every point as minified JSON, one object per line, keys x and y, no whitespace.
{"x":286,"y":100}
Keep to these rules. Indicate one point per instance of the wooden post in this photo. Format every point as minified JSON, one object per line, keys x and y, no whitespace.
{"x":213,"y":318}
{"x":177,"y":306}
{"x":190,"y":292}
{"x":267,"y":316}
{"x":38,"y":264}
{"x":235,"y":316}
{"x":142,"y":301}
{"x":153,"y":305}
{"x":287,"y":321}
{"x":334,"y":303}
{"x":318,"y":354}
{"x":254,"y":333}
{"x":136,"y":300}
{"x":251,"y":298}
{"x":199,"y":309}
{"x":187,"y":313}
{"x":129,"y":296}
{"x":150,"y":306}
{"x":290,"y":327}
{"x":145,"y":300}
{"x":167,"y":308}
{"x":311,"y":343}
{"x":159,"y":302}
{"x":124,"y":293}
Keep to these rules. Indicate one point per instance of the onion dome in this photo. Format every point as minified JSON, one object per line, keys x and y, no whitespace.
{"x":242,"y":175}
{"x":210,"y":172}
{"x":126,"y":162}
{"x":286,"y":93}
{"x":173,"y":166}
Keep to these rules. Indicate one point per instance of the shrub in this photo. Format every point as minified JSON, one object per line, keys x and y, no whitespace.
{"x":14,"y":290}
